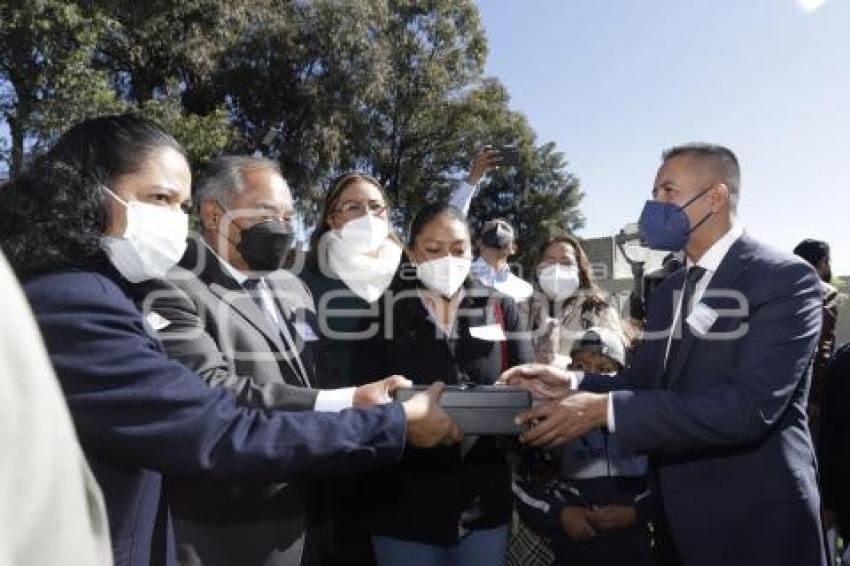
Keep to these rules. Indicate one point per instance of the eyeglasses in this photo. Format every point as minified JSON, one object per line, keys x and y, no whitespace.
{"x":257,"y":215}
{"x":359,"y":208}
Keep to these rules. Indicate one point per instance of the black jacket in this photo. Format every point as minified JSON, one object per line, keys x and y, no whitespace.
{"x":835,"y":435}
{"x":344,"y":316}
{"x":435,"y":496}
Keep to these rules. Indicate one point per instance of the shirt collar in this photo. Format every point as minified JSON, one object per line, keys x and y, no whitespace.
{"x":486,"y":272}
{"x":711,"y":259}
{"x":234,"y":273}
{"x":431,"y":308}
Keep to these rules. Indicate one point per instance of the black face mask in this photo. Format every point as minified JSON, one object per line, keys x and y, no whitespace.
{"x":497,"y":237}
{"x":264,"y":246}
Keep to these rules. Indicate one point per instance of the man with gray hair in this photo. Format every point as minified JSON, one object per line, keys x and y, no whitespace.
{"x":231,"y":314}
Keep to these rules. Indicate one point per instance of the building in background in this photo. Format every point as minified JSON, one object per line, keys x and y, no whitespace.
{"x":613,"y":271}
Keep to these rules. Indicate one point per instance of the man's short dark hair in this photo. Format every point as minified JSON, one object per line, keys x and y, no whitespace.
{"x":722,"y":161}
{"x":813,"y":251}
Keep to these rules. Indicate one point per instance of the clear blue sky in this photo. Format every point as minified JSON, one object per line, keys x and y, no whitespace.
{"x":613,"y":82}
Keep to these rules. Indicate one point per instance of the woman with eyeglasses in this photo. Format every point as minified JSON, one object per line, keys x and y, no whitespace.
{"x":451,"y":507}
{"x":354,"y":256}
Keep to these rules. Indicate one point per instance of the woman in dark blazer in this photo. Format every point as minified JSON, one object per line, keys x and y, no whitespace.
{"x":98,"y":213}
{"x":453,"y":505}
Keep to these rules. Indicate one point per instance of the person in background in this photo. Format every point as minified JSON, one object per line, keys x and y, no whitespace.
{"x":671,"y":263}
{"x":496,"y":245}
{"x":51,"y":509}
{"x":486,"y":160}
{"x":497,"y":239}
{"x":567,"y":303}
{"x":816,"y":252}
{"x":228,"y":312}
{"x":588,"y":501}
{"x":103,"y":210}
{"x":834,"y":444}
{"x":452,"y":506}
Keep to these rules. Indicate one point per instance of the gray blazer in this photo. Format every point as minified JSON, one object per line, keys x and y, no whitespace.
{"x":207,"y":321}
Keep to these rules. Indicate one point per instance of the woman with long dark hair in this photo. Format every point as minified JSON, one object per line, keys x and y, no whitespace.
{"x":566,"y":303}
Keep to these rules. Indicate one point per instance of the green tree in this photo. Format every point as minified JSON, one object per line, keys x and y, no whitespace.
{"x":45,"y":46}
{"x":418,"y":130}
{"x":50,"y":79}
{"x":392,"y":87}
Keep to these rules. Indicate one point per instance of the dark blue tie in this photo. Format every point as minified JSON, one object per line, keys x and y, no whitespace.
{"x":693,"y":277}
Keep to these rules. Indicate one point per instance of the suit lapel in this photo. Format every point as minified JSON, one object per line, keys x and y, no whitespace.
{"x":199,"y":257}
{"x":732,"y":267}
{"x":295,"y":306}
{"x":662,"y":309}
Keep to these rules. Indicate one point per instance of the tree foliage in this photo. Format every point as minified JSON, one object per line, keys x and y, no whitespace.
{"x":393,"y":87}
{"x":52,"y":76}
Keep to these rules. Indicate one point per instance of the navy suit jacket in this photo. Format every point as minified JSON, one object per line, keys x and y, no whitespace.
{"x":729,"y":437}
{"x":140,"y":416}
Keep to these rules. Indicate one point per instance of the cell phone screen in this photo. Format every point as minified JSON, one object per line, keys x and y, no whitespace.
{"x":509,"y":155}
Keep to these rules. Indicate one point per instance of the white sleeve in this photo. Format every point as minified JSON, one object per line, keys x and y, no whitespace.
{"x":462,"y":196}
{"x":577,"y":378}
{"x":334,"y":400}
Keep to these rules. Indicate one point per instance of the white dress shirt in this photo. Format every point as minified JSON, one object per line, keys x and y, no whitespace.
{"x":327,"y":400}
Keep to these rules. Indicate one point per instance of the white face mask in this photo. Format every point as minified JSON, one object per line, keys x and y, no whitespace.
{"x":152,"y":243}
{"x":559,"y":281}
{"x":365,"y":234}
{"x":444,"y":275}
{"x":367,"y":275}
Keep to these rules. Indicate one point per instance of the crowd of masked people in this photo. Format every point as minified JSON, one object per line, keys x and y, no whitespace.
{"x":233,"y":401}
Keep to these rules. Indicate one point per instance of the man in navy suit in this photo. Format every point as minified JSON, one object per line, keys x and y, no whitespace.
{"x":716,"y":394}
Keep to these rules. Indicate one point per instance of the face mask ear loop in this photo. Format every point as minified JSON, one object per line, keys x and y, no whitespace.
{"x":115,"y":196}
{"x":700,"y":223}
{"x":227,"y":213}
{"x":696,"y":197}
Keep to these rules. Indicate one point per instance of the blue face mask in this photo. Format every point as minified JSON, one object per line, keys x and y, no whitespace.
{"x":665,"y":226}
